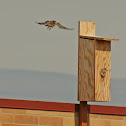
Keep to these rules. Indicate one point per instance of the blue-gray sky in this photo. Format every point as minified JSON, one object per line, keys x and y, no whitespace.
{"x":26,"y":46}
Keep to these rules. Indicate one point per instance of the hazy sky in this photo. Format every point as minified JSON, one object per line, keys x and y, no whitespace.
{"x":27,"y":46}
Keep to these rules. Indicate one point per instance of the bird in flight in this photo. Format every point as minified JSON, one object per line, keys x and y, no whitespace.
{"x":51,"y":24}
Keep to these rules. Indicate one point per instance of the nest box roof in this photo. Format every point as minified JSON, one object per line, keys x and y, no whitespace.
{"x":98,"y":38}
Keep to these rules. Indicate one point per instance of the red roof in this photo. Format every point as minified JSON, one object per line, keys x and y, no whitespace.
{"x":56,"y":106}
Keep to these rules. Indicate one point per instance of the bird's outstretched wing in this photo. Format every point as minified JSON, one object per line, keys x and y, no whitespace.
{"x":42,"y":23}
{"x":62,"y":27}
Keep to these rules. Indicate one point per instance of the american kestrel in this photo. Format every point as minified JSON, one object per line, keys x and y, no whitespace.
{"x":51,"y":24}
{"x":103,"y":72}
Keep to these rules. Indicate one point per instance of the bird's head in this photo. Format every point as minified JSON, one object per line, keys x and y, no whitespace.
{"x":105,"y":69}
{"x":54,"y":22}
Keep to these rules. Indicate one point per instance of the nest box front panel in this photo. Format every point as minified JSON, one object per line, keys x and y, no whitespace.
{"x":86,"y":70}
{"x":102,"y":70}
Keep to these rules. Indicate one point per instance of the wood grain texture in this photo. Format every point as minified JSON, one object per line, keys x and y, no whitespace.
{"x":84,"y":115}
{"x":86,"y":72}
{"x":102,"y":60}
{"x":86,"y":28}
{"x":98,"y":38}
{"x":84,"y":79}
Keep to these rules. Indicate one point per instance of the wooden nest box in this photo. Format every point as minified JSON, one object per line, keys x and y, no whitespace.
{"x":94,"y":64}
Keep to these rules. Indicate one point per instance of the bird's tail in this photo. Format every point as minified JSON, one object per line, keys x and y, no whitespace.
{"x":70,"y":28}
{"x":41,"y":23}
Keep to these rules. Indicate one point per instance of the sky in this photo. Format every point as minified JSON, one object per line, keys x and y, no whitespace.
{"x":26,"y":46}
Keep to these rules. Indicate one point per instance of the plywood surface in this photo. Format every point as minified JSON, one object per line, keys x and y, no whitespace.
{"x":86,"y":28}
{"x":98,"y":38}
{"x":102,"y":60}
{"x":86,"y":70}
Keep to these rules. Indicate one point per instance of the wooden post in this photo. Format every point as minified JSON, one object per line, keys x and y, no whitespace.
{"x":85,"y":28}
{"x":83,"y":113}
